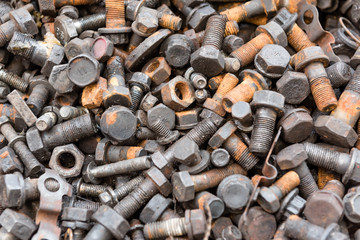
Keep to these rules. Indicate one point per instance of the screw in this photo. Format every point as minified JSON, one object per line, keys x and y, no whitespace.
{"x":271,"y":33}
{"x":269,"y":197}
{"x":13,"y":80}
{"x":164,"y":134}
{"x":70,"y":112}
{"x":231,"y":43}
{"x":178,"y":226}
{"x":268,"y":106}
{"x":298,"y":228}
{"x":93,"y":173}
{"x":198,"y":80}
{"x":228,"y":83}
{"x":85,"y":189}
{"x":17,"y":142}
{"x":139,"y":84}
{"x":208,"y":60}
{"x":343,"y":163}
{"x":112,"y":196}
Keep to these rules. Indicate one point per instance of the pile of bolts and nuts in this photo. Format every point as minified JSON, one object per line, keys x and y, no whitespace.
{"x":179,"y":119}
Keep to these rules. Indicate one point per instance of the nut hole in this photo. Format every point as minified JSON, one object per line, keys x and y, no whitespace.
{"x":228,"y":103}
{"x":153,"y":66}
{"x":66,"y":160}
{"x":182,"y":91}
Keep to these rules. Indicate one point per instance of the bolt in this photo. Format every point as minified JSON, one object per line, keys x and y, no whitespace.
{"x":4,"y":91}
{"x":135,"y":40}
{"x":164,"y":134}
{"x":43,"y":54}
{"x":339,"y":74}
{"x":220,"y":157}
{"x":139,"y":84}
{"x":143,"y":133}
{"x":231,"y":43}
{"x":157,"y":209}
{"x":136,"y":230}
{"x":40,"y":90}
{"x":198,"y":80}
{"x":242,"y":115}
{"x":232,"y":65}
{"x":227,"y":138}
{"x":112,"y":196}
{"x":93,"y":173}
{"x":69,"y":112}
{"x":214,"y":82}
{"x":231,"y":28}
{"x":271,"y":33}
{"x":201,"y":95}
{"x":208,"y":60}
{"x":76,"y":220}
{"x":50,"y":116}
{"x":48,"y":8}
{"x":202,"y":131}
{"x":292,"y":204}
{"x":177,"y":50}
{"x":17,"y":142}
{"x":179,"y":226}
{"x":293,"y":158}
{"x":67,"y":28}
{"x":325,"y":206}
{"x":343,"y":163}
{"x":252,"y":82}
{"x":186,"y":185}
{"x":21,"y":21}
{"x":312,"y":61}
{"x":268,"y":106}
{"x":195,"y":37}
{"x":269,"y":197}
{"x":298,"y":228}
{"x":70,"y":11}
{"x":85,"y":189}
{"x":351,"y":205}
{"x":13,"y":80}
{"x":227,"y":84}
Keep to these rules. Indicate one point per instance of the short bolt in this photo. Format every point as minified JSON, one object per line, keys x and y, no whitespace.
{"x":268,"y":105}
{"x":220,"y":157}
{"x":214,"y":82}
{"x":93,"y":173}
{"x":86,"y":189}
{"x":139,"y":85}
{"x":40,"y":90}
{"x":269,"y":197}
{"x":242,"y":115}
{"x":292,"y":204}
{"x":13,"y":80}
{"x":177,"y":226}
{"x":164,"y":134}
{"x":17,"y":142}
{"x":339,"y":162}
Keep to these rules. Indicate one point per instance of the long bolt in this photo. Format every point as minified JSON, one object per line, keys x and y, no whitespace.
{"x":139,"y":85}
{"x":202,"y":131}
{"x":32,"y":165}
{"x":13,"y":80}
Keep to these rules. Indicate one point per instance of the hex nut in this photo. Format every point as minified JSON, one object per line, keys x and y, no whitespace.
{"x":19,"y":225}
{"x":67,"y":160}
{"x":12,"y":185}
{"x":158,"y":70}
{"x":184,"y":189}
{"x":291,"y":156}
{"x":170,"y":97}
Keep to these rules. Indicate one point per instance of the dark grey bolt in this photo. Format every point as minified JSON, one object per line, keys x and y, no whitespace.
{"x":298,"y":228}
{"x":93,"y":173}
{"x":292,"y":204}
{"x":235,"y":191}
{"x":17,"y":142}
{"x":20,"y":226}
{"x":77,"y":220}
{"x":70,"y":112}
{"x":70,"y":11}
{"x":199,"y":163}
{"x":232,"y":65}
{"x":231,"y":43}
{"x":294,"y":86}
{"x":177,"y":50}
{"x":346,"y":164}
{"x":86,"y":189}
{"x":198,"y":80}
{"x":204,"y":199}
{"x":4,"y":91}
{"x":220,"y":157}
{"x":351,"y":205}
{"x":268,"y":106}
{"x":242,"y":115}
{"x":83,"y":70}
{"x":153,"y":210}
{"x":36,"y":52}
{"x":67,"y":28}
{"x":164,"y":134}
{"x":293,"y":158}
{"x":16,"y":100}
{"x":272,"y":60}
{"x":50,"y":116}
{"x":13,"y":80}
{"x":231,"y":233}
{"x":208,"y":60}
{"x":111,"y":196}
{"x":144,"y":133}
{"x":21,"y":21}
{"x":339,"y":74}
{"x":139,"y":85}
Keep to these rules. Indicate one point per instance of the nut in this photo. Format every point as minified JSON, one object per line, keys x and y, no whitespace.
{"x":158,"y":70}
{"x":170,"y":97}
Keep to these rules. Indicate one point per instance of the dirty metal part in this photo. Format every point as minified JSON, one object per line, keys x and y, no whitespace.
{"x":17,"y":224}
{"x":292,"y":204}
{"x":157,"y":69}
{"x":22,"y":108}
{"x":294,"y":86}
{"x":83,"y":70}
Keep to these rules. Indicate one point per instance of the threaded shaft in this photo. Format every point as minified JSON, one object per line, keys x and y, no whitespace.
{"x":91,"y":190}
{"x":169,"y":21}
{"x":262,"y":134}
{"x":143,"y":133}
{"x":354,"y":83}
{"x":137,"y":198}
{"x":227,"y":84}
{"x":87,"y":205}
{"x":238,"y":14}
{"x":3,"y":38}
{"x":91,"y":22}
{"x":307,"y":185}
{"x":202,"y":131}
{"x":231,"y":28}
{"x":240,"y":152}
{"x":171,"y":227}
{"x":136,"y":96}
{"x":78,"y":234}
{"x":297,"y":228}
{"x":323,"y":94}
{"x":322,"y":157}
{"x":160,"y":128}
{"x":298,"y":39}
{"x":22,"y":45}
{"x":214,"y":32}
{"x":115,"y":13}
{"x":126,"y":188}
{"x":13,"y":80}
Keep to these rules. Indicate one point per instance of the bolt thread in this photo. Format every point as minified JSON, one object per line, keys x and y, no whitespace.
{"x":354,"y":83}
{"x":152,"y":3}
{"x":227,"y":84}
{"x":247,"y":52}
{"x":91,"y":22}
{"x":321,"y":157}
{"x":214,"y":82}
{"x":22,"y":45}
{"x":231,"y":28}
{"x":13,"y":80}
{"x":78,"y":234}
{"x":214,"y":32}
{"x":171,"y":227}
{"x":136,"y":94}
{"x":137,"y":198}
{"x":323,"y":94}
{"x":237,"y":14}
{"x":170,"y":22}
{"x":240,"y":152}
{"x":160,"y":128}
{"x":91,"y":190}
{"x":262,"y":134}
{"x":202,"y":131}
{"x":126,"y":188}
{"x":115,"y":13}
{"x":308,"y":185}
{"x":87,"y":205}
{"x":298,"y":39}
{"x":297,"y":228}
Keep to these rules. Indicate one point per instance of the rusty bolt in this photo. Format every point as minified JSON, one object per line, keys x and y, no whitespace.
{"x":292,"y":204}
{"x":198,"y":80}
{"x":177,"y":50}
{"x":18,"y":225}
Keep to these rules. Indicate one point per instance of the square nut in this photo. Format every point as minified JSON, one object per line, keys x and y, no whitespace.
{"x":92,"y":96}
{"x":158,"y":70}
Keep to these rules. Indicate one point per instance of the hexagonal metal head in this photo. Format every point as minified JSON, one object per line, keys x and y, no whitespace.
{"x":335,"y":131}
{"x":162,"y":163}
{"x":12,"y":185}
{"x":60,"y":80}
{"x":56,"y":56}
{"x":195,"y":222}
{"x":157,"y":69}
{"x":146,"y":22}
{"x":9,"y":161}
{"x":208,"y":61}
{"x":355,"y":176}
{"x":154,"y":208}
{"x":161,"y":111}
{"x":141,"y":80}
{"x":36,"y":145}
{"x":47,"y":7}
{"x":291,"y":157}
{"x":100,"y":151}
{"x":65,"y":29}
{"x":222,"y":134}
{"x":352,"y":206}
{"x":19,"y":225}
{"x":198,"y":17}
{"x":24,"y":21}
{"x":177,"y":49}
{"x":285,"y":19}
{"x":297,"y":125}
{"x":159,"y":179}
{"x":268,"y":200}
{"x":186,"y":151}
{"x":294,"y":86}
{"x":76,"y":47}
{"x":268,"y":99}
{"x":183,"y":186}
{"x":275,"y":31}
{"x":76,"y":214}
